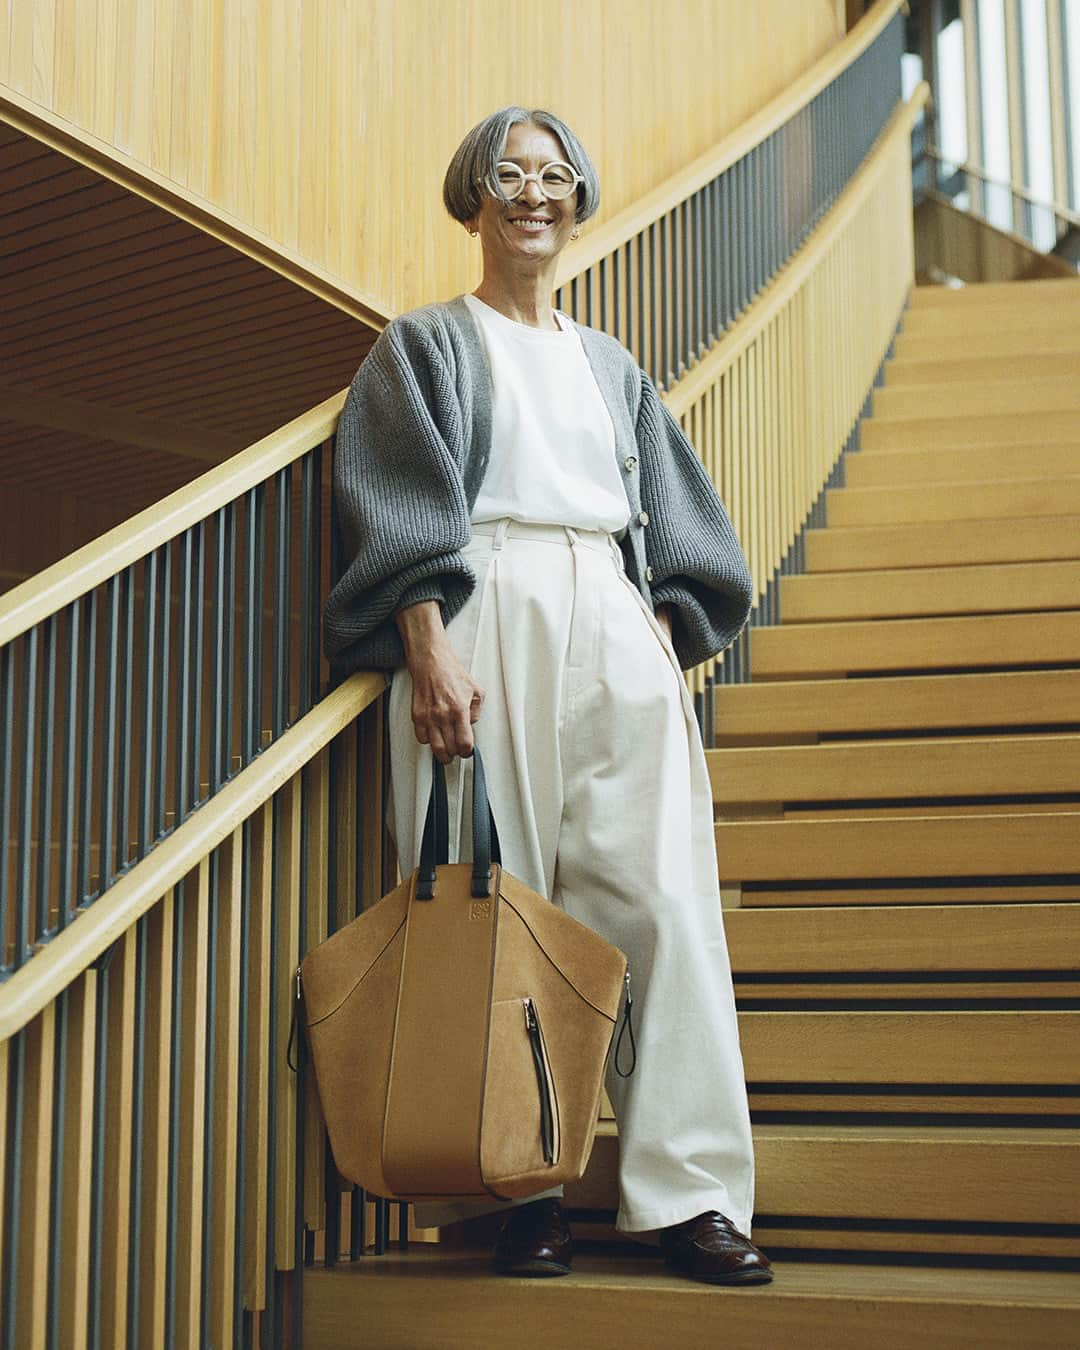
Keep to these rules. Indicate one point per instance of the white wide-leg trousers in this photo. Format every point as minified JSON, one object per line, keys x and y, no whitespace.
{"x":600,"y":792}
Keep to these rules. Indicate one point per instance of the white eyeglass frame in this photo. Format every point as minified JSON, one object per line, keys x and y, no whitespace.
{"x":491,"y":184}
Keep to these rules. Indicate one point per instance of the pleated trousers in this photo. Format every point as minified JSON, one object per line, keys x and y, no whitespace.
{"x":599,"y":787}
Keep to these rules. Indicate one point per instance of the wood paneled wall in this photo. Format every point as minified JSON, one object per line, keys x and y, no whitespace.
{"x":329,"y":125}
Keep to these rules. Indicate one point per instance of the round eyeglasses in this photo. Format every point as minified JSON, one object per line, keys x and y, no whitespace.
{"x":555,"y":180}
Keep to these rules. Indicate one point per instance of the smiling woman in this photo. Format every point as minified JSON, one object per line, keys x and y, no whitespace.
{"x":535,"y":547}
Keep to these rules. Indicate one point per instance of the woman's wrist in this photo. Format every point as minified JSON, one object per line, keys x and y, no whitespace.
{"x":422,"y":630}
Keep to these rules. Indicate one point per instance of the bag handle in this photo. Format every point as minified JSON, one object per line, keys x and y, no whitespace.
{"x":435,"y":842}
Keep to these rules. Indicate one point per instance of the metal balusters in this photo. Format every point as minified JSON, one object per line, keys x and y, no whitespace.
{"x":66,"y":892}
{"x":197,"y":618}
{"x":382,"y":1225}
{"x":26,"y":798}
{"x":227,"y":544}
{"x":125,"y":680}
{"x":45,"y":778}
{"x":282,"y":606}
{"x":145,"y":812}
{"x":253,"y":636}
{"x":310,"y":577}
{"x":7,"y":737}
{"x":88,"y":604}
{"x":219,"y":690}
{"x":109,"y":734}
{"x":182,"y":743}
{"x":162,"y":682}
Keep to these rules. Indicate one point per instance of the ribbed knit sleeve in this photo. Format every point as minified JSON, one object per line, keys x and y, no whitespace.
{"x":698,"y":566}
{"x":401,"y":506}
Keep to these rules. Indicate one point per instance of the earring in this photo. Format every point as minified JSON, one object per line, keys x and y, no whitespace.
{"x":575,"y":233}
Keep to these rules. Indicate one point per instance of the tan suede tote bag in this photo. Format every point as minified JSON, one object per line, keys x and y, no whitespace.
{"x":460,"y":1028}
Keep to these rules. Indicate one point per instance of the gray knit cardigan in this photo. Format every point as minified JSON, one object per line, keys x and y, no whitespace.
{"x":413,"y":443}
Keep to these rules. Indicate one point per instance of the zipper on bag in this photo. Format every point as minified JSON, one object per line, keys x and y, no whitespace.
{"x":547,"y":1125}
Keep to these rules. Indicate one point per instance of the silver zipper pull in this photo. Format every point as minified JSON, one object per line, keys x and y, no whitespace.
{"x":298,"y":984}
{"x":530,"y":1014}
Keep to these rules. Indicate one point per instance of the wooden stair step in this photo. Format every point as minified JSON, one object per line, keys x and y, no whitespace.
{"x":924,"y":433}
{"x":938,"y":766}
{"x":956,"y":1047}
{"x":950,"y":1173}
{"x":962,"y":369}
{"x":434,"y":1299}
{"x":994,"y":588}
{"x":799,"y":651}
{"x":986,"y":343}
{"x":889,"y":938}
{"x":1038,"y":291}
{"x":987,"y":464}
{"x":898,"y":703}
{"x":1035,"y":843}
{"x":1002,"y":316}
{"x":1037,"y":393}
{"x":892,"y":505}
{"x":943,"y":543}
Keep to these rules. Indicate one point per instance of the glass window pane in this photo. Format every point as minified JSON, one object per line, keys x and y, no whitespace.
{"x":952,"y":120}
{"x":995,"y":111}
{"x":1070,"y":34}
{"x":1039,"y":176}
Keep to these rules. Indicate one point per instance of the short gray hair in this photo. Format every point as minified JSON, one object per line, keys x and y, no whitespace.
{"x":483,"y":147}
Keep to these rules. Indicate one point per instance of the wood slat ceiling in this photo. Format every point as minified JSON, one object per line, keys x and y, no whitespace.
{"x":135,"y":350}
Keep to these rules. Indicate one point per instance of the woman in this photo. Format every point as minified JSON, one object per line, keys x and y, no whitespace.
{"x":536,"y":548}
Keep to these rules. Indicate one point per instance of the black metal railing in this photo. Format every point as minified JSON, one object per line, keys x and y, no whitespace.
{"x":672,"y":290}
{"x":122,"y":712}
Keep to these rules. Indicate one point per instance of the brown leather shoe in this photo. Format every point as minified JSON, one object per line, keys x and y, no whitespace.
{"x":534,"y":1240}
{"x":710,"y":1247}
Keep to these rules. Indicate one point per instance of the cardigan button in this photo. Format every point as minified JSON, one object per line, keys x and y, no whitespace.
{"x":643,"y":517}
{"x":648,"y":574}
{"x":630,"y":463}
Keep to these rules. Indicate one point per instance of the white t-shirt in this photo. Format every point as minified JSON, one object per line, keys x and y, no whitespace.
{"x":552,"y":441}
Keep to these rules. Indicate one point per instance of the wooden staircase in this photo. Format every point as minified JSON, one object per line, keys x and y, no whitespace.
{"x":898,"y":834}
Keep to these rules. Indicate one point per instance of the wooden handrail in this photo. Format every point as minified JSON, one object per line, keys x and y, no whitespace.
{"x":1017,"y":190}
{"x":791,"y":278}
{"x":65,"y":581}
{"x":578,"y":258}
{"x":67,"y":955}
{"x":108,"y":162}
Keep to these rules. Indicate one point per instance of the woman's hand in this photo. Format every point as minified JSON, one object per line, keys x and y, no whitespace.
{"x":446,"y":699}
{"x":663,"y":618}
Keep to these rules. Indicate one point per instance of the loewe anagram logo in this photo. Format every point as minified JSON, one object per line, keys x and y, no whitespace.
{"x":480,"y":909}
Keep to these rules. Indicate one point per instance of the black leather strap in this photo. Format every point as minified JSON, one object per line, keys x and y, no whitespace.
{"x":486,"y":848}
{"x":435,"y":842}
